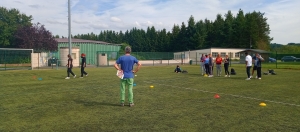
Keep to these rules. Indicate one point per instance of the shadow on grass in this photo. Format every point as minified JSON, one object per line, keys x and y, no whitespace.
{"x":94,"y":103}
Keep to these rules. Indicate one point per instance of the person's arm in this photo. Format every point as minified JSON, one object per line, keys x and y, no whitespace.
{"x":69,"y":63}
{"x":261,"y":59}
{"x":117,"y":66}
{"x":138,"y":67}
{"x":246,"y":60}
{"x":84,"y":64}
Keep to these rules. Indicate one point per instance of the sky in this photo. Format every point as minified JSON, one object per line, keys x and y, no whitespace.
{"x":120,"y":15}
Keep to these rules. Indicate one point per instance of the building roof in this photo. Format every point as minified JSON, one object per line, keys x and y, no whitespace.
{"x":211,"y":49}
{"x":255,"y":50}
{"x":73,"y":40}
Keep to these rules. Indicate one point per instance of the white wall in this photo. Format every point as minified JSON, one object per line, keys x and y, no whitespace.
{"x":195,"y":55}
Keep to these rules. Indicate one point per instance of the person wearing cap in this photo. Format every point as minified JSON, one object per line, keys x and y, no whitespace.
{"x":70,"y":66}
{"x":127,"y":62}
{"x":83,"y":65}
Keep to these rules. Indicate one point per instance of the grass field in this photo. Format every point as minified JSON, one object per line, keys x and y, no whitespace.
{"x":178,"y":102}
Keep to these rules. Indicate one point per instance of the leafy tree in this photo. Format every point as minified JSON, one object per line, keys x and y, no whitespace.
{"x":228,"y":29}
{"x":10,"y":21}
{"x":35,"y":37}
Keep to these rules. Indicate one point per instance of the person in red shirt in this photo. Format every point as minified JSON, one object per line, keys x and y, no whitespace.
{"x":218,"y":63}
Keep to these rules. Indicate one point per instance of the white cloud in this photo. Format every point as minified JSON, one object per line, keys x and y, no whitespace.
{"x":94,"y":15}
{"x":115,"y":19}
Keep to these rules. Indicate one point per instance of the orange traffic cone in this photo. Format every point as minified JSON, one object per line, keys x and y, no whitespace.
{"x":217,"y":96}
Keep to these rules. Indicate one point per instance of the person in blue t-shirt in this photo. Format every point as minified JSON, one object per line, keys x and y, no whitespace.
{"x":127,"y":62}
{"x":206,"y":64}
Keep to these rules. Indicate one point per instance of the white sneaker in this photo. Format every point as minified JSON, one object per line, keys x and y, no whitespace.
{"x":248,"y":79}
{"x":225,"y":75}
{"x":256,"y":77}
{"x":67,"y":78}
{"x":259,"y":78}
{"x":228,"y":75}
{"x":250,"y":76}
{"x":74,"y":76}
{"x":86,"y":74}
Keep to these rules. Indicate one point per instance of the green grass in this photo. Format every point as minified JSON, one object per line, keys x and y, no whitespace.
{"x":178,"y":102}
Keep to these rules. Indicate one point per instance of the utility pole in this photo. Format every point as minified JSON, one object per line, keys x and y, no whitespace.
{"x":69,"y":22}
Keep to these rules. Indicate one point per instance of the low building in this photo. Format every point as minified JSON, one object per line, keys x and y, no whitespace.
{"x":97,"y":52}
{"x":195,"y":55}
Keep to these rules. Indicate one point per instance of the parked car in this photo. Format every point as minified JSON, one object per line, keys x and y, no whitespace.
{"x":272,"y":59}
{"x":289,"y":58}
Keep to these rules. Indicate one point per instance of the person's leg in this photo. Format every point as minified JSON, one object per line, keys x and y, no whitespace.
{"x":130,"y":91}
{"x":201,"y":68}
{"x":226,"y":69}
{"x":206,"y":69}
{"x":82,"y":71}
{"x":122,"y":89}
{"x":85,"y":73}
{"x":72,"y":72}
{"x":258,"y":72}
{"x":68,"y":72}
{"x":248,"y":71}
{"x":220,"y":70}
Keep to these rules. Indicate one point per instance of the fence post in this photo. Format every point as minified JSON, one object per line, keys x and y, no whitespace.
{"x":4,"y":60}
{"x":57,"y":64}
{"x":276,"y":59}
{"x":196,"y":58}
{"x":168,"y":58}
{"x":230,"y":58}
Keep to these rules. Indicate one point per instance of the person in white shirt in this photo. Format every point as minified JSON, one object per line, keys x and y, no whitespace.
{"x":248,"y":60}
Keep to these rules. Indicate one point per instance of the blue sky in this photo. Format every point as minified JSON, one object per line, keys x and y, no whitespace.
{"x":96,"y":15}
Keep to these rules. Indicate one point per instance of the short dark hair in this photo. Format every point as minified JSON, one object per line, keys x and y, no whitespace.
{"x":246,"y":53}
{"x":127,"y":49}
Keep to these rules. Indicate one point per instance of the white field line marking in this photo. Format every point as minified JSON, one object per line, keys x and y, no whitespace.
{"x":238,"y":96}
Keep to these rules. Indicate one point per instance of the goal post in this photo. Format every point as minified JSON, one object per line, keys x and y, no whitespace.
{"x":15,"y":58}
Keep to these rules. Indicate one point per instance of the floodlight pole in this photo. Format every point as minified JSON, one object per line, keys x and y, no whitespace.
{"x":69,"y":22}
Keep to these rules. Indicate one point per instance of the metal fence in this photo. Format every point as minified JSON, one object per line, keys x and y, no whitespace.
{"x":11,"y":59}
{"x":22,"y":59}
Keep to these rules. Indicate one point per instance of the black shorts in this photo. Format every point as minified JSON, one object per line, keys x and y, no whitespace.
{"x":255,"y":68}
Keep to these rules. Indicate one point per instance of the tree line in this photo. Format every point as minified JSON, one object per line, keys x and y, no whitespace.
{"x":245,"y":30}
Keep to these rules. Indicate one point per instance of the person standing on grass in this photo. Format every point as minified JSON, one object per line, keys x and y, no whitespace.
{"x":206,"y":64}
{"x":70,"y":66}
{"x":259,"y":60}
{"x":248,"y":61}
{"x":202,"y":64}
{"x":254,"y":59}
{"x":218,"y":64}
{"x":226,"y":66}
{"x":83,"y":65}
{"x":211,"y":65}
{"x":127,"y":62}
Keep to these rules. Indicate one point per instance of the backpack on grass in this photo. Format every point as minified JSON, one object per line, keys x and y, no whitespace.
{"x":233,"y":72}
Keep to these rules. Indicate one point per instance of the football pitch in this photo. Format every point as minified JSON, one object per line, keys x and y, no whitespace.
{"x":42,"y":100}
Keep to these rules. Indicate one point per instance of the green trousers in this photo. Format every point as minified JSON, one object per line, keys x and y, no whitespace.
{"x":129,"y":83}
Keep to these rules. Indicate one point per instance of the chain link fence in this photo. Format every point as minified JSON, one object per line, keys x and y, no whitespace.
{"x":14,"y":59}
